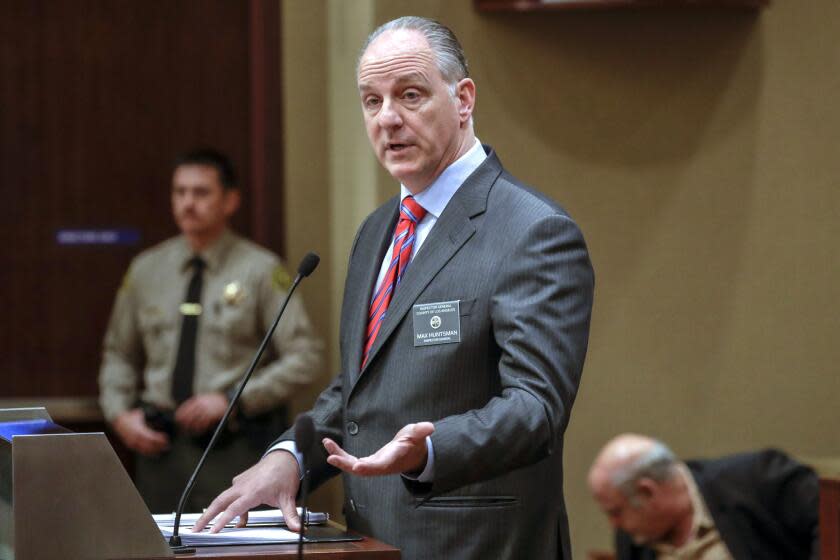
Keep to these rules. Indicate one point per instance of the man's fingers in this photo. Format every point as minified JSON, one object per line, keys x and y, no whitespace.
{"x":423,"y":429}
{"x":342,"y":463}
{"x":185,"y":415}
{"x":334,"y":449}
{"x":370,"y":466}
{"x":338,"y":458}
{"x":150,"y":442}
{"x":200,"y":426}
{"x":193,"y":423}
{"x":238,"y":507}
{"x":243,"y":520}
{"x":331,"y":446}
{"x":155,"y":437}
{"x":290,"y":514}
{"x":217,"y":506}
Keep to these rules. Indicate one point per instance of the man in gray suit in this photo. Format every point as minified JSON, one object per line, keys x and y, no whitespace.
{"x":463,"y":331}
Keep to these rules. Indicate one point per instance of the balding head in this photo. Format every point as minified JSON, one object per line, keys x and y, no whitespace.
{"x":636,"y":482}
{"x":629,"y":457}
{"x":418,"y":121}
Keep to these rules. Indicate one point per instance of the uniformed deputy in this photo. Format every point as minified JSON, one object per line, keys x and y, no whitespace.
{"x":185,"y":325}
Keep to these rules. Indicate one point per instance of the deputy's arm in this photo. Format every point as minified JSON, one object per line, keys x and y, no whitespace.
{"x":297,"y":348}
{"x":122,"y":363}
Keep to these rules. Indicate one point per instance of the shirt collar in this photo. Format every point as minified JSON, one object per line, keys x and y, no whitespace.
{"x":701,"y":519}
{"x":213,"y":254}
{"x":436,"y":196}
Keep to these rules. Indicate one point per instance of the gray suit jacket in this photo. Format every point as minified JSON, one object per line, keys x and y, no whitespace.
{"x":500,"y":399}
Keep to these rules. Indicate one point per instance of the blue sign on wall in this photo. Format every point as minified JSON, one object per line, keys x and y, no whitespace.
{"x":120,"y":236}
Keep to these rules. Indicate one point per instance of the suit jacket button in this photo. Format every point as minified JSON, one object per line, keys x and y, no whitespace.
{"x":352,"y":428}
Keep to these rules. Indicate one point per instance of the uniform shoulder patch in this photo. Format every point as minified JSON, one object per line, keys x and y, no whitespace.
{"x":280,"y":278}
{"x":126,"y":282}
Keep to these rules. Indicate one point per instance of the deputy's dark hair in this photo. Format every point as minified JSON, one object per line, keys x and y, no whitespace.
{"x":211,"y":158}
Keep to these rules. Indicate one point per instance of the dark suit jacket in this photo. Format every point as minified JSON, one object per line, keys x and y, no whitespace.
{"x":500,"y":399}
{"x":765,"y":505}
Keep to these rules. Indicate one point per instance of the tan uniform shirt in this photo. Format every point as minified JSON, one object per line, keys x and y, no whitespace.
{"x":705,"y":542}
{"x":243,"y":288}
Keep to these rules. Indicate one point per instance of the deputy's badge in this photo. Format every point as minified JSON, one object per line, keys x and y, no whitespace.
{"x":192,"y":309}
{"x":281,"y":279}
{"x":233,"y":293}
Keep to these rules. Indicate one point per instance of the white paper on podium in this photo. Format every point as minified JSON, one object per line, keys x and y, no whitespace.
{"x":233,"y":536}
{"x":255,"y":518}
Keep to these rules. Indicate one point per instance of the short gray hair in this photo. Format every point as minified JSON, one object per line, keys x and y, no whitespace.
{"x":658,"y":464}
{"x":449,"y":55}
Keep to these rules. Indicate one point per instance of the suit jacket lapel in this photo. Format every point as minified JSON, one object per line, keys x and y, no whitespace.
{"x":373,"y":244}
{"x":452,"y":230}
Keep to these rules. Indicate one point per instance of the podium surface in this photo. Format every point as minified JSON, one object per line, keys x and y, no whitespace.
{"x":366,"y":549}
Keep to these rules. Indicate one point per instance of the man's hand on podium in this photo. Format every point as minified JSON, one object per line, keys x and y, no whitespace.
{"x":132,"y":429}
{"x":273,"y":481}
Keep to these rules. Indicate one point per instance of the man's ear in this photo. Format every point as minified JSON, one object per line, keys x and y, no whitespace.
{"x":646,"y":489}
{"x":465,"y":92}
{"x":233,"y":198}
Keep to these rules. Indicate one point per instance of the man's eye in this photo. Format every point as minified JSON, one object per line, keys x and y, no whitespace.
{"x":411,"y":95}
{"x":371,"y":102}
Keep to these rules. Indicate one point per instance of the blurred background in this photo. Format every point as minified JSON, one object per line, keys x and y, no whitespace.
{"x":697,"y":147}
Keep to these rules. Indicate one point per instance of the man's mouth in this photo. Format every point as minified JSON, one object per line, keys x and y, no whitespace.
{"x":396,"y":147}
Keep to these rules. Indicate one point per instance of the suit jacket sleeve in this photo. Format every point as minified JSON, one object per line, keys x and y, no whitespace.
{"x":540,"y":313}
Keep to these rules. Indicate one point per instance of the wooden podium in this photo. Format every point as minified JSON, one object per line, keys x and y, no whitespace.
{"x":829,"y":518}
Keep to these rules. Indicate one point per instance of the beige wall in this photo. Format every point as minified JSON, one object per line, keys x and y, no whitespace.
{"x":698,"y":152}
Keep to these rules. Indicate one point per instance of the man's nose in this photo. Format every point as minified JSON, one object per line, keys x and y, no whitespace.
{"x":389,"y":115}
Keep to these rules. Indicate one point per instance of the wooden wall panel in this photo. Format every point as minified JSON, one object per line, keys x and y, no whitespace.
{"x":96,"y":99}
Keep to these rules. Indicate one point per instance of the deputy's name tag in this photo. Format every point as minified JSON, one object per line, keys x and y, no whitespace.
{"x":437,"y":323}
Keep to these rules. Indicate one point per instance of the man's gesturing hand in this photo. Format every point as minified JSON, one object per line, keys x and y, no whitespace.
{"x":273,"y":481}
{"x":405,"y":453}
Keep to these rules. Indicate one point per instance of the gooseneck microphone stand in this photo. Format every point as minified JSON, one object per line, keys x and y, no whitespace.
{"x":306,"y":267}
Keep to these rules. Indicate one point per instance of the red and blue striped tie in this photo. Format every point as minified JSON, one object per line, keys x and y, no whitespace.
{"x":410,"y":215}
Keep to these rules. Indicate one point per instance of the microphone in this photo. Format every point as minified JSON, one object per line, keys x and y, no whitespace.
{"x":306,"y":267}
{"x":304,"y":440}
{"x":308,"y":264}
{"x":304,"y":436}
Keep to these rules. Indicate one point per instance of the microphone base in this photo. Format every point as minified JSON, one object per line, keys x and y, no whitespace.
{"x":178,"y":548}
